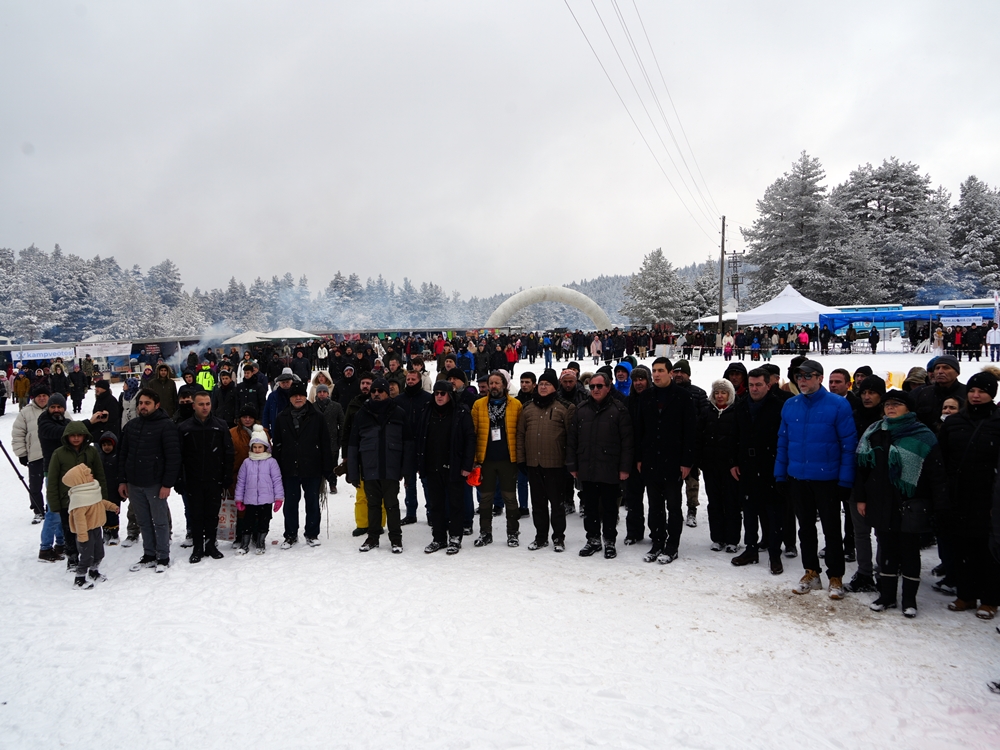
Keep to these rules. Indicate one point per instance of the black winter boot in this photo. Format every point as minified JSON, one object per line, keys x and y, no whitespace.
{"x":212,"y":549}
{"x":887,"y":586}
{"x":245,"y":544}
{"x":198,"y":548}
{"x":910,"y":586}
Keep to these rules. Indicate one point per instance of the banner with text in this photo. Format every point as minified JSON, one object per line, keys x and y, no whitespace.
{"x":35,"y":354}
{"x":108,"y":349}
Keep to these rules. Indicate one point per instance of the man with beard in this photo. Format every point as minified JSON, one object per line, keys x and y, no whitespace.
{"x":665,"y":440}
{"x":929,"y":398}
{"x":347,"y":388}
{"x":542,"y":430}
{"x":27,"y":447}
{"x":495,"y":421}
{"x":446,"y":450}
{"x":414,"y":400}
{"x":106,"y":404}
{"x":207,"y":465}
{"x":376,"y":450}
{"x":166,"y":388}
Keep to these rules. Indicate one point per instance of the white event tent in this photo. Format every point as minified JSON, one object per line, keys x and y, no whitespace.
{"x":787,"y":307}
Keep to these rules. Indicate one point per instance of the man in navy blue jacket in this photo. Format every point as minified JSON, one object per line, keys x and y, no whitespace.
{"x":815,"y":463}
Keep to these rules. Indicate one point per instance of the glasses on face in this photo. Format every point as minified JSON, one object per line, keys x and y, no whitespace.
{"x":804,"y":376}
{"x":440,"y":393}
{"x":378,"y":390}
{"x":597,"y":386}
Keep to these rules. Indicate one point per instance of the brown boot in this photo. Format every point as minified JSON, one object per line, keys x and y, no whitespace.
{"x":960,"y":605}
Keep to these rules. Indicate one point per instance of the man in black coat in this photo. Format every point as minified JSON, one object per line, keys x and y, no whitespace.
{"x":149,"y":462}
{"x":666,"y":437}
{"x":224,"y":404}
{"x":754,"y":447}
{"x":446,"y":451}
{"x":376,"y":451}
{"x":599,"y":454}
{"x":251,"y":391}
{"x":635,"y":485}
{"x":207,"y":456}
{"x":929,"y":399}
{"x":347,"y":388}
{"x":414,"y":400}
{"x":300,"y":443}
{"x":105,"y":403}
{"x":681,"y":377}
{"x":301,"y":366}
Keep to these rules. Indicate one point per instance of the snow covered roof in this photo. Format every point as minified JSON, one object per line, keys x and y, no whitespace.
{"x":787,"y":307}
{"x":288,"y":334}
{"x":247,"y":337}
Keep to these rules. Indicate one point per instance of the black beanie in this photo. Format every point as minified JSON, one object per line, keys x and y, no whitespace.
{"x":984,"y":381}
{"x":873,"y":383}
{"x":549,"y":376}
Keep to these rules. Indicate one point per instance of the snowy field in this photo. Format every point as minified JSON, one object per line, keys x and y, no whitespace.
{"x":492,"y":648}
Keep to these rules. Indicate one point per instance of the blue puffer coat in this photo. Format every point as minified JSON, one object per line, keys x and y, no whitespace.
{"x":817,"y":439}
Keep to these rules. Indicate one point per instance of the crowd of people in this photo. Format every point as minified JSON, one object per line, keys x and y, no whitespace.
{"x":914,"y":465}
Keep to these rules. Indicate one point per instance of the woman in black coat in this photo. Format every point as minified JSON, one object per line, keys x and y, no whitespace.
{"x":899,"y":485}
{"x":970,"y":445}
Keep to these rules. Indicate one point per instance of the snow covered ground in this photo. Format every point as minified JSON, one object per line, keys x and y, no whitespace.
{"x":492,"y":648}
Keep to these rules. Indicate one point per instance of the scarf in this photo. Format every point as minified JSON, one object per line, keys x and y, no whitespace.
{"x":911,"y":442}
{"x":497,"y":411}
{"x":298,"y":414}
{"x":543,"y":402}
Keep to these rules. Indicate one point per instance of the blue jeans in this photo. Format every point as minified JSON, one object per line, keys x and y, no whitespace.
{"x":994,"y":352}
{"x":548,"y":358}
{"x":51,"y":530}
{"x":522,"y":489}
{"x":295,"y":488}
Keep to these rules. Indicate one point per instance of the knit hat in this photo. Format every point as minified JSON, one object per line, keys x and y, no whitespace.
{"x":108,"y":435}
{"x":902,"y":397}
{"x":770,"y":369}
{"x":297,"y":388}
{"x":684,"y":366}
{"x":641,"y":373}
{"x":380,"y":384}
{"x":346,"y":368}
{"x":864,"y":370}
{"x":286,"y":374}
{"x":58,"y":399}
{"x":102,"y":384}
{"x":916,"y":377}
{"x":259,"y":437}
{"x":950,"y":360}
{"x":39,"y":390}
{"x":249,"y":410}
{"x":984,"y":381}
{"x":443,"y":386}
{"x":458,"y":374}
{"x":322,"y":388}
{"x":875,"y":384}
{"x":549,"y":376}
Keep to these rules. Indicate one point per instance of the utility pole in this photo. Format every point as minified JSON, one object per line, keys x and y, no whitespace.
{"x":722,"y":280}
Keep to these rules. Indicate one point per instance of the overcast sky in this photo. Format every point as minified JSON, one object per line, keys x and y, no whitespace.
{"x":474,"y":143}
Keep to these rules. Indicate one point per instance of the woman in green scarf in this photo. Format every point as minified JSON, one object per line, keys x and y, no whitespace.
{"x":899,"y":484}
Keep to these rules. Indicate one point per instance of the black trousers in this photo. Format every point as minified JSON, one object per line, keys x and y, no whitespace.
{"x":203,"y":507}
{"x":763,"y":508}
{"x":811,"y":498}
{"x":257,"y":519}
{"x":666,"y":512}
{"x":978,"y":572}
{"x":635,"y":516}
{"x":379,"y":491}
{"x":600,"y":509}
{"x":547,"y":491}
{"x":445,"y":504}
{"x":68,"y":536}
{"x":898,"y":553}
{"x":724,"y":516}
{"x":36,"y":476}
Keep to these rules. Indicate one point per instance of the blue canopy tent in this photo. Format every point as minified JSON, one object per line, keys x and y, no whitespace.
{"x":897,"y":318}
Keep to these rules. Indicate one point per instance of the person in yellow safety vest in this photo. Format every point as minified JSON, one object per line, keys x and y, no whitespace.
{"x":205,"y":378}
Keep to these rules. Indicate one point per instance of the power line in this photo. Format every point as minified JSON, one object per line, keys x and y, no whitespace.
{"x":646,"y":110}
{"x":674,"y":107}
{"x":641,"y":135}
{"x":666,"y":122}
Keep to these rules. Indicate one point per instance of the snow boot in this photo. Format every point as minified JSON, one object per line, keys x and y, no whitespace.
{"x":48,"y":555}
{"x":592,"y":546}
{"x":665,"y":558}
{"x":433,"y":547}
{"x":259,"y":544}
{"x":748,"y":557}
{"x":887,"y":586}
{"x":72,"y":561}
{"x":692,"y":518}
{"x":512,"y":540}
{"x":610,"y":553}
{"x":861,"y":583}
{"x":212,"y":549}
{"x":369,"y":545}
{"x":558,"y":545}
{"x":360,"y":531}
{"x":397,"y":548}
{"x":81,"y":582}
{"x":188,"y":540}
{"x":146,"y":561}
{"x":60,"y":550}
{"x":717,"y":547}
{"x":454,"y":545}
{"x":96,"y":575}
{"x":910,"y":586}
{"x":111,"y":537}
{"x":245,"y":544}
{"x":289,"y":541}
{"x":654,"y":552}
{"x":535,"y":544}
{"x":198,"y":549}
{"x":162,"y":565}
{"x":313,"y":541}
{"x":483,"y":540}
{"x":129,"y":541}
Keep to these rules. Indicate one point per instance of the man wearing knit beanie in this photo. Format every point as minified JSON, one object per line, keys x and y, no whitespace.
{"x":927,"y":400}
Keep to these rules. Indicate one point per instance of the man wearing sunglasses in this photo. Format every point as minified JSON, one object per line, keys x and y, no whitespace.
{"x":375,"y":452}
{"x":816,"y":444}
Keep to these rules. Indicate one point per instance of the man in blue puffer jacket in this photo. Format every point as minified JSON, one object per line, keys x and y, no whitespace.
{"x":815,"y":465}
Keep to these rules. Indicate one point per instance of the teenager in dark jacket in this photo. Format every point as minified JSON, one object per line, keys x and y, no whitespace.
{"x":149,"y":464}
{"x":58,"y":381}
{"x":446,"y":451}
{"x":900,"y":484}
{"x":347,"y":388}
{"x":414,"y":400}
{"x":376,"y":451}
{"x":104,"y":402}
{"x":666,"y":436}
{"x":166,"y":388}
{"x":753,"y":447}
{"x":224,"y":402}
{"x":300,"y":442}
{"x":108,"y":446}
{"x":970,"y":445}
{"x":251,"y":391}
{"x":207,"y":466}
{"x":78,"y":387}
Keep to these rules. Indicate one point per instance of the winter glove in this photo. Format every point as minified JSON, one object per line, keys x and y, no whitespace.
{"x":277,"y":505}
{"x":240,"y":506}
{"x":23,"y":460}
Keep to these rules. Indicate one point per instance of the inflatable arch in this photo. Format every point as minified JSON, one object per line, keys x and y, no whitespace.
{"x":537,"y":294}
